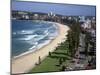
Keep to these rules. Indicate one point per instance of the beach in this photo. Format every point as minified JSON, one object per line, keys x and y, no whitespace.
{"x":26,"y":62}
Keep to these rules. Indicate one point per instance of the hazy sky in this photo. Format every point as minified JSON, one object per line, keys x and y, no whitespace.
{"x":63,"y":9}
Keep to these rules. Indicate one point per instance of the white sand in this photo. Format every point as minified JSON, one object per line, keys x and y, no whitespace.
{"x":26,"y":62}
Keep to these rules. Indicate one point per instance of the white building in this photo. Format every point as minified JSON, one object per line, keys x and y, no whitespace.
{"x":87,"y":24}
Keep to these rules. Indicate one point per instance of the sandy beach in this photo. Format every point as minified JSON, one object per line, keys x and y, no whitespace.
{"x":26,"y":62}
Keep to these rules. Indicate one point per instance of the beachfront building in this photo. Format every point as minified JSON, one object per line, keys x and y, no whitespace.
{"x":67,"y":20}
{"x":41,"y":16}
{"x":89,"y":28}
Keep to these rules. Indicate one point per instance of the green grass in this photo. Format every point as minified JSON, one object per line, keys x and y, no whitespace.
{"x":51,"y":63}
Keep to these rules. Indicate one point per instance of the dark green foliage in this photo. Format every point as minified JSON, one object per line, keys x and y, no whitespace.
{"x":63,"y":68}
{"x":64,"y":59}
{"x":60,"y":61}
{"x":49,"y":53}
{"x":73,"y":37}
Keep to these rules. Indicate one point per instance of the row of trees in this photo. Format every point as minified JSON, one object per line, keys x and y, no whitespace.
{"x":73,"y":37}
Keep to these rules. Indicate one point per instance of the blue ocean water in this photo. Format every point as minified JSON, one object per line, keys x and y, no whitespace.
{"x":29,"y":35}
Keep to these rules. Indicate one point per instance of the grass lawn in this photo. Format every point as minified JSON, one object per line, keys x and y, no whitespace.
{"x":51,"y":63}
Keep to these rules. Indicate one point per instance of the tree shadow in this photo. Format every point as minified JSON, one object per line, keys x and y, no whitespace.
{"x":57,"y":65}
{"x":59,"y":53}
{"x":58,"y":56}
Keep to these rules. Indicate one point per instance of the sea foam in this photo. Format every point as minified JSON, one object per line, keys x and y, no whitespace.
{"x":34,"y":38}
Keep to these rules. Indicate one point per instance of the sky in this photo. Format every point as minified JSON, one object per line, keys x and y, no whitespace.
{"x":62,"y":9}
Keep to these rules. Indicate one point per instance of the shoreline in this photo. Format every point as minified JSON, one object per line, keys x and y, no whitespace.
{"x":34,"y":50}
{"x":26,"y":62}
{"x":29,"y":52}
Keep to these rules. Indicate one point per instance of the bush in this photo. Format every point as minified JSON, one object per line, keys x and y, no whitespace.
{"x":49,"y":53}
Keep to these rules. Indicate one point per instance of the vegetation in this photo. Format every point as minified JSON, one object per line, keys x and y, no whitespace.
{"x":62,"y":55}
{"x":73,"y":37}
{"x":55,"y":60}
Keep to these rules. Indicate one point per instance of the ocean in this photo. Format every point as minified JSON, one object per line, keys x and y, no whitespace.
{"x":30,"y":35}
